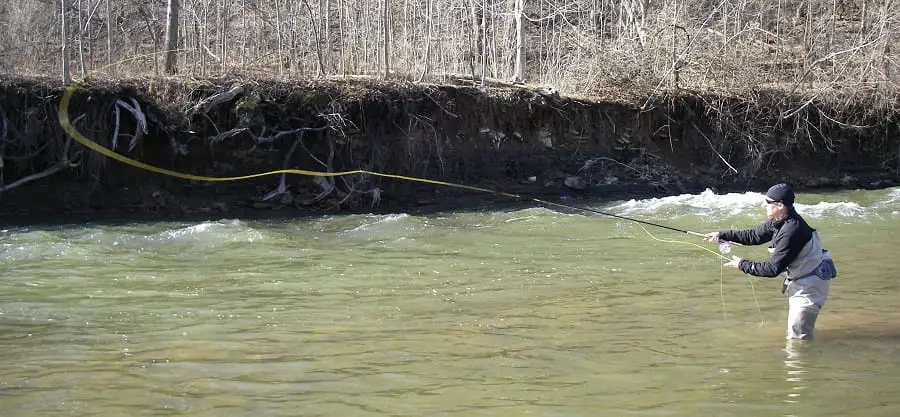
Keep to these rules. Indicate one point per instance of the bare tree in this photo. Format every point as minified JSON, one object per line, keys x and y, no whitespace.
{"x":66,"y":76}
{"x":386,"y":24}
{"x":519,"y":12}
{"x":81,"y":40}
{"x":171,"y":37}
{"x":428,"y":26}
{"x":316,"y":36}
{"x":108,"y":34}
{"x":577,"y":45}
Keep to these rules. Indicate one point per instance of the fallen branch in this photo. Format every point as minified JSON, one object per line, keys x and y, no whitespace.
{"x":62,"y":164}
{"x":484,"y":80}
{"x":267,"y":139}
{"x":225,"y":135}
{"x":218,"y":99}
{"x":46,"y":173}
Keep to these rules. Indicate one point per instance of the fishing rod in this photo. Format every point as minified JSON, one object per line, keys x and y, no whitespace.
{"x":674,"y":229}
{"x":604,"y":213}
{"x":571,"y":207}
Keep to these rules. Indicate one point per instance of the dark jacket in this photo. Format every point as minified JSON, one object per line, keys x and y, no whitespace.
{"x":788,"y":235}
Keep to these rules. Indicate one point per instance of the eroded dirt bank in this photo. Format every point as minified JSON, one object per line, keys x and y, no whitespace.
{"x":522,"y":140}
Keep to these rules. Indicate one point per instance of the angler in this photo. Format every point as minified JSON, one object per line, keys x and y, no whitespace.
{"x":795,"y":250}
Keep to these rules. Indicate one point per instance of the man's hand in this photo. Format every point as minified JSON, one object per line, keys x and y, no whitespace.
{"x":735,"y":262}
{"x":712,"y":237}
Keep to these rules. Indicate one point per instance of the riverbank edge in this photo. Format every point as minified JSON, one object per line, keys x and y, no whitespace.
{"x":517,"y":139}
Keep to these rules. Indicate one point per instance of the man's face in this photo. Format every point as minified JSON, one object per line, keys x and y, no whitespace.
{"x":774,"y":209}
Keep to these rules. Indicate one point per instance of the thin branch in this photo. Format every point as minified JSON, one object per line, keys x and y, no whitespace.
{"x":440,"y":107}
{"x":832,"y":56}
{"x":680,"y":57}
{"x":303,"y":145}
{"x":590,"y":163}
{"x":62,"y":164}
{"x":225,"y":135}
{"x":822,"y":113}
{"x":267,"y":139}
{"x":713,"y":148}
{"x":33,"y":177}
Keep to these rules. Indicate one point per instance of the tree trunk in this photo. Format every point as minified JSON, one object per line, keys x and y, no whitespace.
{"x":475,"y":38}
{"x":312,"y":23}
{"x":108,"y":35}
{"x":862,"y":20}
{"x":278,"y":33}
{"x":341,"y":56}
{"x":425,"y":67}
{"x":223,"y":27}
{"x":246,"y":34}
{"x":326,"y":34}
{"x":67,"y":77}
{"x":171,"y":37}
{"x":484,"y":45}
{"x":520,"y":42}
{"x":81,"y":41}
{"x":675,"y":69}
{"x":386,"y":17}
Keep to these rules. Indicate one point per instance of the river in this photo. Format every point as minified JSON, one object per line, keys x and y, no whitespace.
{"x":529,"y":311}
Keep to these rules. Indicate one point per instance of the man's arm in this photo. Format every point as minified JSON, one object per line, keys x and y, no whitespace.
{"x":787,"y":248}
{"x":757,"y":236}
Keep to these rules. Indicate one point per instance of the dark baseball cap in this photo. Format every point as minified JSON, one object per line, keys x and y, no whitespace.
{"x":781,"y":193}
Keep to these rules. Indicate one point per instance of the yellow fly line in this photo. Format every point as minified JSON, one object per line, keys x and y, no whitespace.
{"x":66,"y":124}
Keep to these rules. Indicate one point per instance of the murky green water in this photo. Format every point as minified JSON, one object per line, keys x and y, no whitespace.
{"x":527,"y":312}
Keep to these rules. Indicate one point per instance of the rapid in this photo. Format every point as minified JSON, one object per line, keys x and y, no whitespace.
{"x":527,"y":311}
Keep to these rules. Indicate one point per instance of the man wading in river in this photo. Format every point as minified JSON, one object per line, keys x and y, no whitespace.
{"x":796,"y":250}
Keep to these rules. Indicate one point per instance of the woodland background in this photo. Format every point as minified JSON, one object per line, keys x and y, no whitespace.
{"x":585,"y":48}
{"x":635,"y":97}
